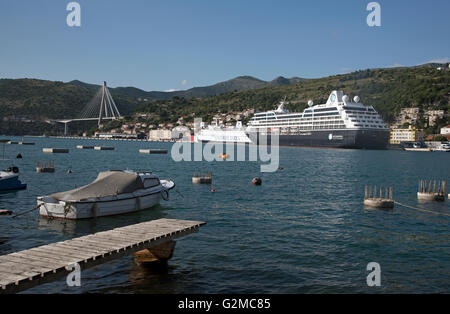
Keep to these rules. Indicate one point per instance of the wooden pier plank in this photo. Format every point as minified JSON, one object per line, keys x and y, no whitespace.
{"x":25,"y":269}
{"x":41,"y":265}
{"x":82,"y":248}
{"x":50,"y":261}
{"x":12,"y":268}
{"x":15,"y":266}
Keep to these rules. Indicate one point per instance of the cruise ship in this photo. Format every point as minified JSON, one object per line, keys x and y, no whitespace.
{"x":220,"y":134}
{"x":340,"y":123}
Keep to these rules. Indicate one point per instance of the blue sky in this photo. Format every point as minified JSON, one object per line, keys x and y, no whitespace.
{"x":179,"y":44}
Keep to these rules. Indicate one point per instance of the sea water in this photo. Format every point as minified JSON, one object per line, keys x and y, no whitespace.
{"x":305,"y":230}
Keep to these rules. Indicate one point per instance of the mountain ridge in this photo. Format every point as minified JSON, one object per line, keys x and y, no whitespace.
{"x":239,"y":83}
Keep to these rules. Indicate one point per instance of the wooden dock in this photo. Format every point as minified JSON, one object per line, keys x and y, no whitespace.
{"x":26,"y":269}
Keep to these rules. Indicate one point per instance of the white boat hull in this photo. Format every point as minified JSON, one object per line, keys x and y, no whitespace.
{"x":106,"y":197}
{"x":85,"y":209}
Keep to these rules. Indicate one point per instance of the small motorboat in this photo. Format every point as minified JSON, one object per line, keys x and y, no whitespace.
{"x":9,"y":180}
{"x":112,"y":193}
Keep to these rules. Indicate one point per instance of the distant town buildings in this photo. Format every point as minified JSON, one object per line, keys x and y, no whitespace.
{"x":229,"y":119}
{"x":160,"y":135}
{"x":410,"y":134}
{"x":411,"y":116}
{"x":433,"y":115}
{"x":407,"y":116}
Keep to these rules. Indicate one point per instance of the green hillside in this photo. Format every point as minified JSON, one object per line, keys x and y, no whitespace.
{"x":388,"y":90}
{"x":39,"y":99}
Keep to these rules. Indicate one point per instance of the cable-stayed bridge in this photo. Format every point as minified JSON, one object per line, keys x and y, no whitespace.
{"x":100,"y":107}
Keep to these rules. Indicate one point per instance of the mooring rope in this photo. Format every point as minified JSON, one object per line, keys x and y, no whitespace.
{"x":176,"y":190}
{"x":421,"y":209}
{"x":27,"y":211}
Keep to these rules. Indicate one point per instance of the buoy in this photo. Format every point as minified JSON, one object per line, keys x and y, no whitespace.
{"x":256,"y":181}
{"x":48,"y":167}
{"x":19,"y":156}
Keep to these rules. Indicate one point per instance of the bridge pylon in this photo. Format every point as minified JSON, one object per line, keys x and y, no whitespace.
{"x":106,"y":111}
{"x":107,"y":105}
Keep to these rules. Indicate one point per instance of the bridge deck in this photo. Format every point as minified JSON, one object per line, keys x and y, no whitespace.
{"x":25,"y":269}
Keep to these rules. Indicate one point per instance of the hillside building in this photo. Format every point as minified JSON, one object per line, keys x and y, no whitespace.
{"x":445,"y":130}
{"x":160,"y":135}
{"x":433,"y":115}
{"x":410,"y":134}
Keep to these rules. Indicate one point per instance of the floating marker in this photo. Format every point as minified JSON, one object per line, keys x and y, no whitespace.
{"x":103,"y":148}
{"x":45,"y":167}
{"x":256,"y":181}
{"x":85,"y":147}
{"x":202,"y":178}
{"x":371,"y":199}
{"x":153,"y":151}
{"x":55,"y":150}
{"x":431,"y":191}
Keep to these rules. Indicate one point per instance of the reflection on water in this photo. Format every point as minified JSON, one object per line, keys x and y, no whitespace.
{"x":304,"y":230}
{"x":88,"y":226}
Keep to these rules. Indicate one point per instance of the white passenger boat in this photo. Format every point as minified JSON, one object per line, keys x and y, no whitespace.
{"x":220,"y":134}
{"x":112,"y":193}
